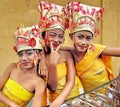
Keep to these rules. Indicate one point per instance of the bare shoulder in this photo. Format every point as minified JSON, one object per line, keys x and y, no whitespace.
{"x":12,"y":65}
{"x":9,"y":68}
{"x":65,"y":53}
{"x":39,"y":82}
{"x":6,"y":74}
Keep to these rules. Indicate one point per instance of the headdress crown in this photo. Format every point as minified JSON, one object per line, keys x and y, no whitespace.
{"x":51,"y":16}
{"x":83,"y":17}
{"x":27,"y":38}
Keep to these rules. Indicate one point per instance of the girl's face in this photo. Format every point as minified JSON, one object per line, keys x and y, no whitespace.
{"x":27,"y":58}
{"x":56,"y":36}
{"x":82,"y":40}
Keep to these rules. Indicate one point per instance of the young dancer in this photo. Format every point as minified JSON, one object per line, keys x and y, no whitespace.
{"x":61,"y":71}
{"x":92,"y":61}
{"x":20,"y":82}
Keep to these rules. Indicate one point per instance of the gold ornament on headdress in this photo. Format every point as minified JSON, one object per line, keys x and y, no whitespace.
{"x":51,"y":16}
{"x":83,"y":17}
{"x":27,"y":38}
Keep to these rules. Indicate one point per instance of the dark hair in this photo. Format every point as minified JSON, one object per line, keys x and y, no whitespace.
{"x":37,"y":50}
{"x":43,"y":34}
{"x":38,"y":67}
{"x":47,"y":50}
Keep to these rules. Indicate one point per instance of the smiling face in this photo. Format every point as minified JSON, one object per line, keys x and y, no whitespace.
{"x":82,"y":40}
{"x":56,"y":36}
{"x":27,"y":57}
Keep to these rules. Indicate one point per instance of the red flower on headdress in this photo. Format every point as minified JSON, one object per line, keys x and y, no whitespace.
{"x":36,"y":32}
{"x":67,"y":23}
{"x":15,"y":48}
{"x":32,"y":42}
{"x":48,"y":25}
{"x":43,"y":21}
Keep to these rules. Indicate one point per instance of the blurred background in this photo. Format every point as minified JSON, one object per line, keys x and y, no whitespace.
{"x":14,"y":13}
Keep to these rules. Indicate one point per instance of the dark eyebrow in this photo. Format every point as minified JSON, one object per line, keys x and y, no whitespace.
{"x":80,"y":34}
{"x":52,"y":32}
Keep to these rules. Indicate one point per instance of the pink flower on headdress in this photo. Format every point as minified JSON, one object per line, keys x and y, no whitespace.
{"x":100,"y":12}
{"x":72,"y":25}
{"x":22,"y":33}
{"x":36,"y":32}
{"x":20,"y":41}
{"x":92,"y":12}
{"x":47,"y":6}
{"x":42,"y":22}
{"x":82,"y":10}
{"x":75,"y":6}
{"x":26,"y":33}
{"x":32,"y":42}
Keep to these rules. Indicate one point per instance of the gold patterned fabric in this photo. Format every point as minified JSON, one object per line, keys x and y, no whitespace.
{"x":62,"y":71}
{"x":15,"y":92}
{"x":93,"y":70}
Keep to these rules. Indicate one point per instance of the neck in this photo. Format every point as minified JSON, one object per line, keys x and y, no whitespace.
{"x":28,"y":70}
{"x":79,"y":54}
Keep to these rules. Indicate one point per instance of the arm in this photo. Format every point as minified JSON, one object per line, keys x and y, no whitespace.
{"x":66,"y":48}
{"x":39,"y":91}
{"x":70,"y":79}
{"x":52,"y":77}
{"x":112,"y":51}
{"x":4,"y":77}
{"x":52,"y":68}
{"x":43,"y":67}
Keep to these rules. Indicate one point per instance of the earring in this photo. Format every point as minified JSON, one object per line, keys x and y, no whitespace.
{"x":35,"y":61}
{"x":92,"y":47}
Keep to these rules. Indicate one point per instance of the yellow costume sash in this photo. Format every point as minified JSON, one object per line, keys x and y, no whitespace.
{"x":62,"y":71}
{"x":92,"y":70}
{"x":15,"y":92}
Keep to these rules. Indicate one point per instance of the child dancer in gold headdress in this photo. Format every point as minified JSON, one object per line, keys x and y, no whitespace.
{"x":92,"y":61}
{"x":61,"y":71}
{"x":20,"y":82}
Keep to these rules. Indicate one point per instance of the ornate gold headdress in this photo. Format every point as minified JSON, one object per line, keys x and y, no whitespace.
{"x":83,"y":17}
{"x":51,"y":16}
{"x":27,"y":38}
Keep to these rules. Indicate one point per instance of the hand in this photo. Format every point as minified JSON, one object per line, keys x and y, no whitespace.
{"x":42,"y":69}
{"x":54,"y":55}
{"x":43,"y":72}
